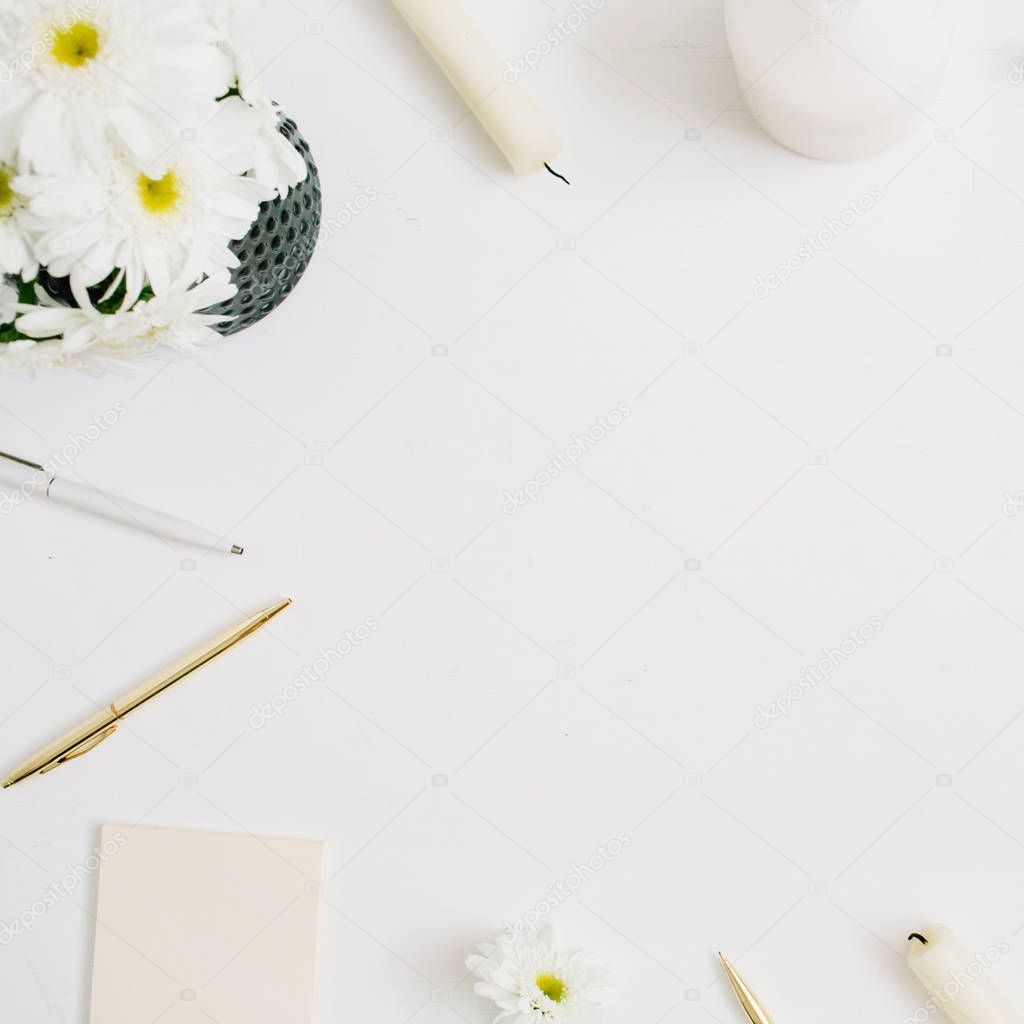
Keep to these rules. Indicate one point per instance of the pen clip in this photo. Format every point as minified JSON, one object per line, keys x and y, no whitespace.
{"x":83,"y":748}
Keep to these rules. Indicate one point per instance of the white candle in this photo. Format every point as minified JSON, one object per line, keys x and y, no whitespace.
{"x":473,"y":66}
{"x":958,"y":980}
{"x":839,"y":80}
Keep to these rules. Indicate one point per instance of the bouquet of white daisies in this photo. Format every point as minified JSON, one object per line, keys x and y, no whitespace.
{"x":136,"y":143}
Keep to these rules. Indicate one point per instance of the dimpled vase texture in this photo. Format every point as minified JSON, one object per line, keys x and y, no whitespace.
{"x":274,"y":255}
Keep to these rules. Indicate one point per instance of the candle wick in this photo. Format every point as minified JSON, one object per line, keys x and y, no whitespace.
{"x":551,"y":170}
{"x":917,"y":935}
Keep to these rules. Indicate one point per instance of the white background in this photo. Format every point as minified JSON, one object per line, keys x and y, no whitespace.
{"x":539,"y":682}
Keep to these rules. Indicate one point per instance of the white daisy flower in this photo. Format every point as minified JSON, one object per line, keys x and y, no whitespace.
{"x":72,"y":330}
{"x":534,"y":982}
{"x":93,"y":341}
{"x":18,"y":228}
{"x":274,"y":160}
{"x":66,"y":337}
{"x":176,"y":318}
{"x":169,"y":220}
{"x":73,"y":71}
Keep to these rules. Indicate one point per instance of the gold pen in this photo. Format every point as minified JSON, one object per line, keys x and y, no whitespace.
{"x":92,"y":732}
{"x":746,"y":998}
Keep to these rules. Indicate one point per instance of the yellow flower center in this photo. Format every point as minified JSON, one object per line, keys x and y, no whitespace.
{"x":552,"y":987}
{"x":6,"y":192}
{"x":76,"y":45}
{"x":159,"y":195}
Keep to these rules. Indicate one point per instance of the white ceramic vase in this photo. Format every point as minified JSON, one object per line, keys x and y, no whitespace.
{"x":840,"y":79}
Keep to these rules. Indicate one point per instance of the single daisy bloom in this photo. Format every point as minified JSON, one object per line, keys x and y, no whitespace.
{"x":18,"y":229}
{"x":76,"y":72}
{"x":177,"y":318}
{"x":169,"y":220}
{"x":532,"y":981}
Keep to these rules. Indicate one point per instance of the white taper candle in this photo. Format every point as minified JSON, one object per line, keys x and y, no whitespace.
{"x":473,"y":66}
{"x":958,"y":980}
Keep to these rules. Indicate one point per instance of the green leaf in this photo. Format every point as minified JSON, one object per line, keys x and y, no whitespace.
{"x":9,"y":333}
{"x":113,"y":304}
{"x":27,"y":292}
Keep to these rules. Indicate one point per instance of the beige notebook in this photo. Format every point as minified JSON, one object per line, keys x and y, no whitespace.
{"x":200,"y":926}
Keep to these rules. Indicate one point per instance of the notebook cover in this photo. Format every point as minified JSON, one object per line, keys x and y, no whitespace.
{"x":200,"y":926}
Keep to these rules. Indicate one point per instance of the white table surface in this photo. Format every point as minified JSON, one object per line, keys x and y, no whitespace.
{"x":539,"y":682}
